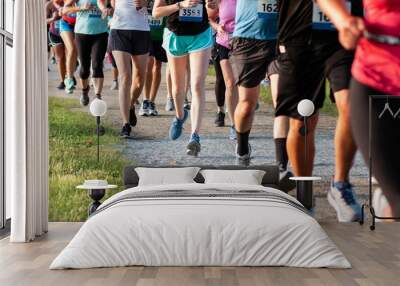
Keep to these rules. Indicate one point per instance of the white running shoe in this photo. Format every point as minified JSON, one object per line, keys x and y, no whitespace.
{"x":114,"y":85}
{"x":342,"y":198}
{"x":144,"y":108}
{"x":169,"y":106}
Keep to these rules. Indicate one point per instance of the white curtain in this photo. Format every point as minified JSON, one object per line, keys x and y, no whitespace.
{"x":27,"y":124}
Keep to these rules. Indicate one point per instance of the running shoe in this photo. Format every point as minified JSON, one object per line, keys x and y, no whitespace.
{"x":126,"y":131}
{"x":85,"y":96}
{"x":285,"y":184}
{"x":245,"y":157}
{"x":69,"y":85}
{"x":114,"y":85}
{"x":98,"y":96}
{"x":132,"y":117}
{"x":342,"y":198}
{"x":169,"y":106}
{"x":257,"y":106}
{"x":186,"y":104}
{"x":379,"y":203}
{"x":232,"y":133}
{"x":152,"y":109}
{"x":144,"y":108}
{"x":175,"y":131}
{"x":53,"y":60}
{"x":61,"y":86}
{"x":75,"y":83}
{"x":220,"y":119}
{"x":194,"y":147}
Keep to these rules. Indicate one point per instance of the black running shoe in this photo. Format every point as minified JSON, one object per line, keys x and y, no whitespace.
{"x":132,"y":117}
{"x":61,"y":86}
{"x":285,"y":184}
{"x":220,"y":120}
{"x":85,"y":96}
{"x":126,"y":131}
{"x":75,"y":82}
{"x":98,"y":96}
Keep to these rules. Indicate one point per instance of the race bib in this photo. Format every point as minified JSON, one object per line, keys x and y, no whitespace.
{"x":321,"y":21}
{"x":155,"y":23}
{"x":194,"y":14}
{"x":267,"y":9}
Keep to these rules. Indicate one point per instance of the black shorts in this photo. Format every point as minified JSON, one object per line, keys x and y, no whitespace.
{"x":130,"y":41}
{"x":250,"y":59}
{"x":303,"y":70}
{"x":273,"y":68}
{"x":338,"y":70}
{"x":157,"y":51}
{"x":55,"y":40}
{"x":223,"y":53}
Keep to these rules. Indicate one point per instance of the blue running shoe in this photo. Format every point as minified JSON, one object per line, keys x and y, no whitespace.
{"x":232,"y":133}
{"x":175,"y":131}
{"x":342,"y":198}
{"x":194,"y":147}
{"x":69,"y":85}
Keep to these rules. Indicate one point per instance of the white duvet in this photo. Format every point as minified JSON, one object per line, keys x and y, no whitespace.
{"x":205,"y":231}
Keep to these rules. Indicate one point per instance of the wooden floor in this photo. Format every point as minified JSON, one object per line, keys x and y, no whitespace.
{"x":375,"y":257}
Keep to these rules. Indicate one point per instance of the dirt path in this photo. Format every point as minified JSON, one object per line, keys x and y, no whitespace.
{"x":152,"y":146}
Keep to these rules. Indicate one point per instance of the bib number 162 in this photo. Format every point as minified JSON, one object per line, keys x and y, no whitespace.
{"x":267,"y":8}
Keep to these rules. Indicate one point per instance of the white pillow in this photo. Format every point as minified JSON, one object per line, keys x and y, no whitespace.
{"x":166,"y":176}
{"x":245,"y":177}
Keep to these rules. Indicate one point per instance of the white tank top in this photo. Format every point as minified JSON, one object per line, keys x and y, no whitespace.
{"x":126,"y":17}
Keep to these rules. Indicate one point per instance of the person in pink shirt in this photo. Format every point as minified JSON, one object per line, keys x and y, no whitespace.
{"x":224,"y":28}
{"x":376,"y":74}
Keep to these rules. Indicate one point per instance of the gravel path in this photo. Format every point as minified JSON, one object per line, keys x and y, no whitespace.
{"x":152,"y":146}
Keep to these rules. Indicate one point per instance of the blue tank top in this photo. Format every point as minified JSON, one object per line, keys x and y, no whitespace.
{"x":256,"y":19}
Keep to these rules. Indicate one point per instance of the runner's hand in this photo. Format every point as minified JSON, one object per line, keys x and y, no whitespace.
{"x":106,"y":12}
{"x":221,"y":30}
{"x":189,"y":3}
{"x":212,"y":4}
{"x":350,"y":32}
{"x":86,"y":6}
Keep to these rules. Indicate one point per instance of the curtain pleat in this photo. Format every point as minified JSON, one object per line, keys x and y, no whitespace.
{"x":27,"y":137}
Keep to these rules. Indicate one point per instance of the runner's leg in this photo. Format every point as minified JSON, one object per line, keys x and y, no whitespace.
{"x":177,"y":67}
{"x":301,"y":165}
{"x":123,"y":61}
{"x":198,"y":72}
{"x":98,"y":53}
{"x":59,"y":52}
{"x":345,"y":148}
{"x":139,"y":64}
{"x":156,"y":80}
{"x":149,"y":78}
{"x":71,"y":53}
{"x":231,"y":94}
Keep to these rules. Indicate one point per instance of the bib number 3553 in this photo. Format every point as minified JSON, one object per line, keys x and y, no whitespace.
{"x":194,"y":14}
{"x":267,"y":9}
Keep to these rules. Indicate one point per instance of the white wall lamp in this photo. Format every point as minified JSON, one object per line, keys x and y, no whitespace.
{"x":304,"y":185}
{"x":98,"y":108}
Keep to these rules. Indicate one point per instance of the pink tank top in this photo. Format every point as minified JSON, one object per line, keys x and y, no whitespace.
{"x":377,"y":65}
{"x":227,"y":13}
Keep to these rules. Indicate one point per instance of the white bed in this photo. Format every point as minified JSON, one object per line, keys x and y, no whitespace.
{"x":137,"y":227}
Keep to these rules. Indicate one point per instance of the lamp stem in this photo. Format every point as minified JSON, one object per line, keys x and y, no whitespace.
{"x":98,"y":137}
{"x":305,"y":138}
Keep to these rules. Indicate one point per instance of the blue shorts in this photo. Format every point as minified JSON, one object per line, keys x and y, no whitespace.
{"x":179,"y":46}
{"x":66,"y":27}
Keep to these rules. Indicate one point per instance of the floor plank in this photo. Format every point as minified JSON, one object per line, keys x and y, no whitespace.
{"x":375,"y":257}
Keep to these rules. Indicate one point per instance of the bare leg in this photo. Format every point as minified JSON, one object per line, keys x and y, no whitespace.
{"x":98,"y":85}
{"x":114,"y":73}
{"x":198,"y":73}
{"x":140,"y":64}
{"x":281,"y":123}
{"x":71,"y":53}
{"x":302,"y":166}
{"x":231,"y":92}
{"x":156,"y":80}
{"x":149,"y":78}
{"x":123,"y":61}
{"x":59,"y":52}
{"x":244,"y":112}
{"x":345,"y":147}
{"x":169,"y":81}
{"x":177,"y":66}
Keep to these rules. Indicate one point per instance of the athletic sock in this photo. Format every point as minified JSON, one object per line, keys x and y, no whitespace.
{"x":243,"y":143}
{"x":281,"y":153}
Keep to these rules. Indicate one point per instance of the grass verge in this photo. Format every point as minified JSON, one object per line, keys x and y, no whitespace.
{"x":73,"y":159}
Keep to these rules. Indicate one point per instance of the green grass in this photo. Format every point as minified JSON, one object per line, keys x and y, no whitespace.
{"x":328,"y":108}
{"x":73,"y":159}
